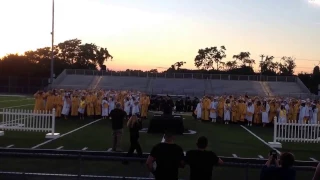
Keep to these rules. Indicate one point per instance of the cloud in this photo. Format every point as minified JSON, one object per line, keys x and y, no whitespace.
{"x":314,"y":2}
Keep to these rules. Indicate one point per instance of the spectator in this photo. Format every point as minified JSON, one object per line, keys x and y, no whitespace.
{"x":279,"y":169}
{"x":201,"y":161}
{"x":134,"y":125}
{"x":168,"y":157}
{"x":317,"y":173}
{"x":117,"y":116}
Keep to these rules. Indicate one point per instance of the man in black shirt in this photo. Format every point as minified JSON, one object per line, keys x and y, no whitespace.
{"x":168,"y":156}
{"x":201,"y":161}
{"x":117,"y":116}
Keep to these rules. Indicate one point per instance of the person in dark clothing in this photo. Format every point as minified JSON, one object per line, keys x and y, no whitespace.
{"x":117,"y":116}
{"x":134,"y":124}
{"x":201,"y":161}
{"x":168,"y":156}
{"x":167,"y":107}
{"x":279,"y":169}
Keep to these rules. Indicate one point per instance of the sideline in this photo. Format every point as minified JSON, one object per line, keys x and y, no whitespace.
{"x":16,"y":106}
{"x":48,"y":141}
{"x":16,"y":100}
{"x":264,"y":142}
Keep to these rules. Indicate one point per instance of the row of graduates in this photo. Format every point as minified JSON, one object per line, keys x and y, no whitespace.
{"x":257,"y":110}
{"x":90,"y":103}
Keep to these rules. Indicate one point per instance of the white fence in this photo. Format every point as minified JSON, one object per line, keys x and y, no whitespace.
{"x":28,"y":120}
{"x":295,"y":132}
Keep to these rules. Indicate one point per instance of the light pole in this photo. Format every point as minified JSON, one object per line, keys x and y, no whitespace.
{"x":52,"y":46}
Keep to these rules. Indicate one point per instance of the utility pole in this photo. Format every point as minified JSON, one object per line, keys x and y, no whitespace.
{"x":52,"y":45}
{"x":262,"y":56}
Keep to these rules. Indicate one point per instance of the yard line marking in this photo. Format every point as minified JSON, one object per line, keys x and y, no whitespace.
{"x":17,"y":106}
{"x":163,"y":139}
{"x":234,"y":155}
{"x":10,"y":146}
{"x":15,"y":100}
{"x":60,"y":147}
{"x":109,"y":150}
{"x":313,"y":159}
{"x":48,"y":141}
{"x":85,"y":148}
{"x":261,"y":157}
{"x":264,"y":142}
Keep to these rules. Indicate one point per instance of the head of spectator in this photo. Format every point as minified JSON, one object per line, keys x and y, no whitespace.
{"x":286,"y":160}
{"x":118,"y":106}
{"x":133,"y":119}
{"x":202,"y":143}
{"x":168,"y":137}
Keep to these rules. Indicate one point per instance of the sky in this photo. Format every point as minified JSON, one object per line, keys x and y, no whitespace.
{"x":149,"y":34}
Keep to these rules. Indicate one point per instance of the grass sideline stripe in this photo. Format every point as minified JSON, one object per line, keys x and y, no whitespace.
{"x":264,"y":142}
{"x":234,"y":155}
{"x":17,"y":106}
{"x":48,"y":141}
{"x":261,"y":157}
{"x":84,"y":149}
{"x":10,"y":146}
{"x":313,"y":159}
{"x":61,"y":147}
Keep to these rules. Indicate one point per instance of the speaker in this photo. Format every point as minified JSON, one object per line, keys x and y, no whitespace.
{"x":163,"y":123}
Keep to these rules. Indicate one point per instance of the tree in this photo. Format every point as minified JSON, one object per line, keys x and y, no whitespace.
{"x":208,"y":56}
{"x":231,"y":65}
{"x":179,"y":64}
{"x":244,"y":58}
{"x":288,"y":66}
{"x":268,"y":67}
{"x":153,"y":71}
{"x":316,"y":71}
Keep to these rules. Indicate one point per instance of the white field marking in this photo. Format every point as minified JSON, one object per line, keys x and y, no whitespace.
{"x":163,"y":139}
{"x":16,"y":100}
{"x":10,"y":146}
{"x":264,"y":142}
{"x":109,"y":150}
{"x":261,"y":157}
{"x":48,"y":141}
{"x":234,"y":155}
{"x":85,"y":148}
{"x":313,"y":159}
{"x":17,"y":106}
{"x":61,"y":147}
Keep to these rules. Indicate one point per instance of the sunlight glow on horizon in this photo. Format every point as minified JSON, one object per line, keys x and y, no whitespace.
{"x":146,"y":38}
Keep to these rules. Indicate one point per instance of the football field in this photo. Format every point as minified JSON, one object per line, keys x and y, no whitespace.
{"x":95,"y":135}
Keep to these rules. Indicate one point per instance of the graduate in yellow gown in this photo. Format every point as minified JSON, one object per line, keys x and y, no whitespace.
{"x":98,"y":106}
{"x":82,"y":107}
{"x":57,"y":104}
{"x":39,"y":101}
{"x":89,"y":103}
{"x":257,"y":119}
{"x":234,"y":111}
{"x":75,"y":101}
{"x":220,"y":108}
{"x":205,"y":108}
{"x":296,"y":109}
{"x":242,"y":110}
{"x":273,"y":110}
{"x":144,"y":102}
{"x":50,"y":98}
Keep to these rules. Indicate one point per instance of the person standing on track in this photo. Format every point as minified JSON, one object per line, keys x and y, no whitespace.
{"x":117,"y":116}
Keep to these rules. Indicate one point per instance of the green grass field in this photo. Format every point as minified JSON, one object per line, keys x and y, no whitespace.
{"x":226,"y":140}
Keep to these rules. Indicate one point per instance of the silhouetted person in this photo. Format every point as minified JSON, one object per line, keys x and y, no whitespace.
{"x":117,"y":116}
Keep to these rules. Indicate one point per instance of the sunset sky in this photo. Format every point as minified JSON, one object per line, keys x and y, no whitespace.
{"x":145,"y":34}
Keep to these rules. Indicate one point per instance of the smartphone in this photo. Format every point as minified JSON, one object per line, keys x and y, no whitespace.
{"x":274,"y":154}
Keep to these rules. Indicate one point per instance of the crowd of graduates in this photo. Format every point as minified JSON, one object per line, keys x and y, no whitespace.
{"x":257,"y":110}
{"x":91,"y":103}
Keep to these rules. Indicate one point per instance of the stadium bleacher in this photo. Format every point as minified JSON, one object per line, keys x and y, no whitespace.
{"x":182,"y":86}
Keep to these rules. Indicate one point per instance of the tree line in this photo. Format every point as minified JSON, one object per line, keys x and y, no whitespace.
{"x":73,"y":54}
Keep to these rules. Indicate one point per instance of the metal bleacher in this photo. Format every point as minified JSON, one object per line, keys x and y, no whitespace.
{"x":182,"y":83}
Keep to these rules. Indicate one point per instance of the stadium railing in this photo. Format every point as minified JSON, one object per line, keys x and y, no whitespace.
{"x":62,"y":164}
{"x":183,"y":75}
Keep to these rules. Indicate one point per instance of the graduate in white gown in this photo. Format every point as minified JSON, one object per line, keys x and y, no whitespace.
{"x":198,"y":110}
{"x":314,"y":113}
{"x":250,"y":112}
{"x":127,"y":106}
{"x":135,"y":106}
{"x":66,"y":106}
{"x":105,"y":108}
{"x":302,"y":112}
{"x":227,"y":111}
{"x":213,"y":109}
{"x":265,"y":112}
{"x":111,"y":104}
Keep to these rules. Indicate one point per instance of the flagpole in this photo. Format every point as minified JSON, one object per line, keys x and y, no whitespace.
{"x":52,"y":46}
